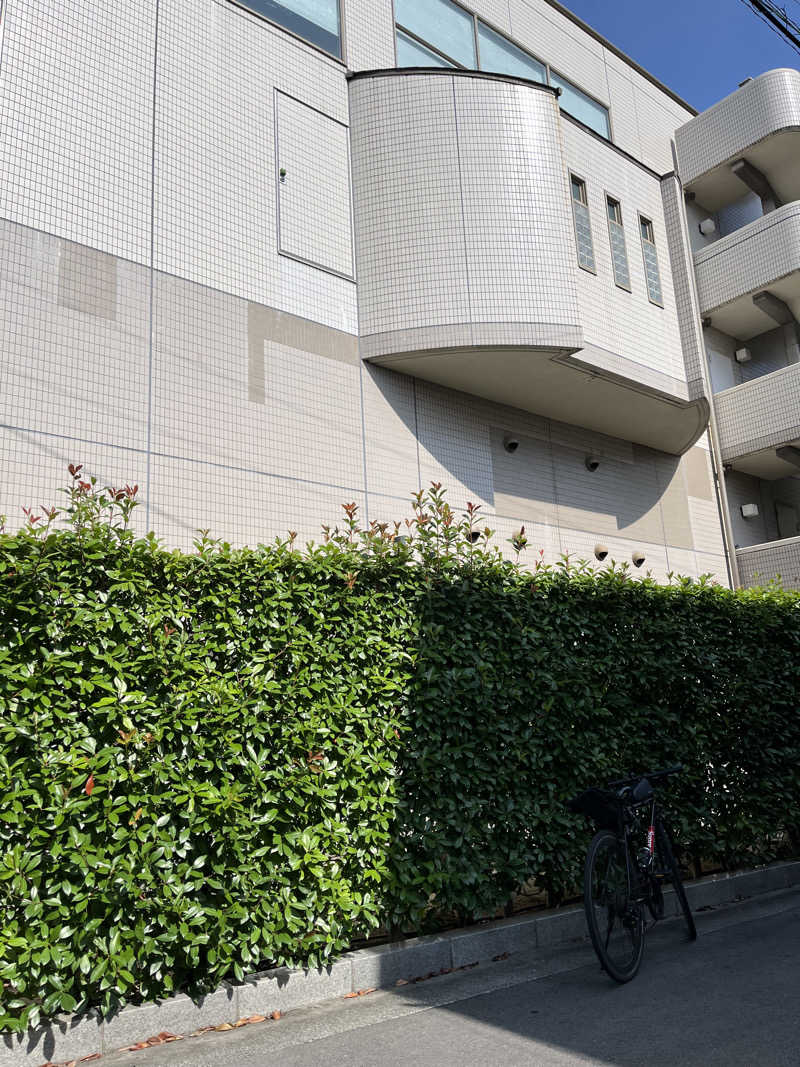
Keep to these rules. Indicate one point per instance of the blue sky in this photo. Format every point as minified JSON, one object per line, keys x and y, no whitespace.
{"x":701,"y":49}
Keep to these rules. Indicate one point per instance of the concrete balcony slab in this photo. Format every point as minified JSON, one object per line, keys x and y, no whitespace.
{"x":760,"y":123}
{"x":776,"y":560}
{"x":763,"y":256}
{"x":757,"y":419}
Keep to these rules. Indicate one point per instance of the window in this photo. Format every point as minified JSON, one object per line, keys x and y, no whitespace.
{"x":581,"y":107}
{"x":502,"y":57}
{"x":411,"y":53}
{"x":583,"y":226}
{"x":619,"y":253}
{"x":440,"y":23}
{"x":440,"y":33}
{"x":651,"y":271}
{"x":315,"y":20}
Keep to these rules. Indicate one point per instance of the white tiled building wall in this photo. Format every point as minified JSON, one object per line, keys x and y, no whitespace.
{"x":749,"y":259}
{"x":139,"y":254}
{"x":630,"y":333}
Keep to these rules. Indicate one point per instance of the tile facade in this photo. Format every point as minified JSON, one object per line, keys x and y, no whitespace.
{"x":176,"y":312}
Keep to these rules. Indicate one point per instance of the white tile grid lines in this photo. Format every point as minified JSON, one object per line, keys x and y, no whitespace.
{"x":69,"y":147}
{"x":454,"y":447}
{"x":760,"y":414}
{"x":241,"y":506}
{"x":745,"y":489}
{"x":249,"y":471}
{"x":784,"y":491}
{"x":309,"y":425}
{"x":35,"y":463}
{"x":769,"y":352}
{"x":622,"y":322}
{"x":642,"y":117}
{"x":749,"y":259}
{"x":625,"y":120}
{"x":218,"y":69}
{"x":738,"y":214}
{"x":74,"y":390}
{"x":761,"y":565}
{"x":368,"y":34}
{"x":392,"y":447}
{"x":314,"y":190}
{"x":73,"y":383}
{"x":765,"y":105}
{"x":706,"y":527}
{"x":516,"y":211}
{"x":495,"y":12}
{"x":680,"y":273}
{"x":461,"y":208}
{"x":215,"y":225}
{"x":409,"y":234}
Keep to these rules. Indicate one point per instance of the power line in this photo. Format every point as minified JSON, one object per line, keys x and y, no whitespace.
{"x":777,"y":19}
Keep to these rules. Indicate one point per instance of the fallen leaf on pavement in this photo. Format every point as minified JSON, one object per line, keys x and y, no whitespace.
{"x":255,"y":1019}
{"x":275,"y":1015}
{"x":401,"y":981}
{"x":223,"y":1026}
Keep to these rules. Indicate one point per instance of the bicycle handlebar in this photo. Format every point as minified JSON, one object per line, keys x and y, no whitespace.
{"x":654,"y":777}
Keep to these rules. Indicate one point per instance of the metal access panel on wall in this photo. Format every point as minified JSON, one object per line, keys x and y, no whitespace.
{"x":312,"y":159}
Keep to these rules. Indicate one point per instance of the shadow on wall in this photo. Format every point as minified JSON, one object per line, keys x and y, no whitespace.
{"x":631,"y":491}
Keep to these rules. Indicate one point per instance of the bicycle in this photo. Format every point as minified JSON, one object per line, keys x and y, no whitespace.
{"x":621,"y":881}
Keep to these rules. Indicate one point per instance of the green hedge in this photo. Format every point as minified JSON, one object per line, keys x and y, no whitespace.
{"x":233,"y":758}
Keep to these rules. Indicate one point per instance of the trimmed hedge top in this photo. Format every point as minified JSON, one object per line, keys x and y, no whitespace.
{"x":238,"y":757}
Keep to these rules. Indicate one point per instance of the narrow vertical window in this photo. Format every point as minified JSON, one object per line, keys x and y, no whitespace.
{"x":619,"y":253}
{"x":651,"y":270}
{"x":583,"y":226}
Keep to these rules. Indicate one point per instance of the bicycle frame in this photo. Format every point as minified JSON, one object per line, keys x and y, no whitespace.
{"x":639,"y":879}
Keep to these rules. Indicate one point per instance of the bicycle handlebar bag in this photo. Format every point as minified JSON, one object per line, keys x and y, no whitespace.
{"x":599,"y":806}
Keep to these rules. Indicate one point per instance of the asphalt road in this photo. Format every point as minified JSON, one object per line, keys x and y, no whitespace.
{"x":732,"y":998}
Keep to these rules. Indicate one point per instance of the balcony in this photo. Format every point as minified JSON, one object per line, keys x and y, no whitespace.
{"x":761,"y":564}
{"x":759,"y":424}
{"x":465,"y":253}
{"x":759,"y":123}
{"x":762,"y":256}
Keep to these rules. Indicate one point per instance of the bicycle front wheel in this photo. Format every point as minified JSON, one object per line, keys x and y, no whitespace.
{"x":615,"y":919}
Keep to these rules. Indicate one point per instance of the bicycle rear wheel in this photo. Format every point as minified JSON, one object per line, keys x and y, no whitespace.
{"x":615,"y":920}
{"x":670,"y":870}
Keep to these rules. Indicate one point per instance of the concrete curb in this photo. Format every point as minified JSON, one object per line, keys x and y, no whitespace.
{"x":282,"y":989}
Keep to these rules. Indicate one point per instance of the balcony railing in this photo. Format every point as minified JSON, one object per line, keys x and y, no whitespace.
{"x":755,"y":421}
{"x":776,"y":560}
{"x":759,"y":123}
{"x":762,"y":256}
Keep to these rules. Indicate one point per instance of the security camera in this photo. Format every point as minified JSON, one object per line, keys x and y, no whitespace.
{"x":638,"y":557}
{"x":592,"y":463}
{"x":474,"y":535}
{"x":510,"y":444}
{"x":600,"y":551}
